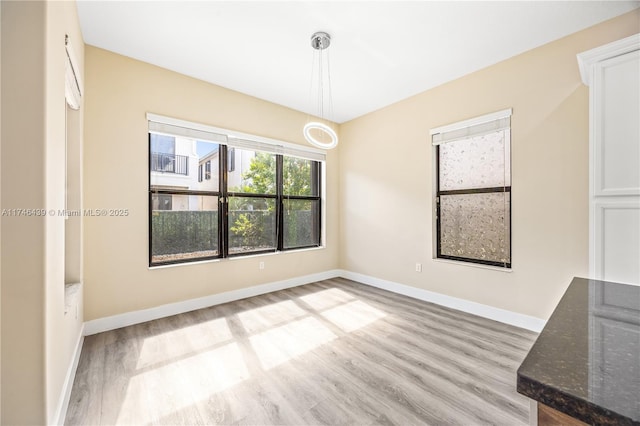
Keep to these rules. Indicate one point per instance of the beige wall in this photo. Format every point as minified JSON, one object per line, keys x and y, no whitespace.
{"x":120,"y":91}
{"x":23,"y":119}
{"x":0,"y":209}
{"x":386,"y":178}
{"x":38,"y":339}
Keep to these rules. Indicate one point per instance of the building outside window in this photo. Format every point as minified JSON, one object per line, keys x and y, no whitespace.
{"x":232,"y":160}
{"x":207,"y":170}
{"x":163,"y":156}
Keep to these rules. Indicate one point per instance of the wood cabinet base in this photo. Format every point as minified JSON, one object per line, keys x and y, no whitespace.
{"x":547,"y":416}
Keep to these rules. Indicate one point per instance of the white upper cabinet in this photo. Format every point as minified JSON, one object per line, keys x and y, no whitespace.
{"x":612,"y":73}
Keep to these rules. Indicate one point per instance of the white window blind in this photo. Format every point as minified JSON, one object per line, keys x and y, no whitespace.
{"x":176,"y":127}
{"x":73,"y":82}
{"x":187,"y":132}
{"x":478,"y":126}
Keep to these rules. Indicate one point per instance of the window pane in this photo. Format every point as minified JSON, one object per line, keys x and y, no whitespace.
{"x":207,"y":156}
{"x":252,"y":224}
{"x":300,"y":176}
{"x":476,"y":226}
{"x":163,"y":144}
{"x":477,"y":162}
{"x":193,"y":165}
{"x":231,"y":160}
{"x":187,"y":229}
{"x":301,"y":223}
{"x":254,"y":172}
{"x":162,"y":202}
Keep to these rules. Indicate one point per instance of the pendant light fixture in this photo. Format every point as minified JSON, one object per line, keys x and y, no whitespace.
{"x":314,"y":130}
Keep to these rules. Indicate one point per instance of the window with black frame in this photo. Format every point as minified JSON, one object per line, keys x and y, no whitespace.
{"x":473,"y":190}
{"x":300,"y":203}
{"x":184,"y":219}
{"x":254,"y":197}
{"x":253,"y":201}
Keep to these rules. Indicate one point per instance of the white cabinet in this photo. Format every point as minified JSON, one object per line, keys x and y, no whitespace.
{"x":612,"y":73}
{"x":614,"y":346}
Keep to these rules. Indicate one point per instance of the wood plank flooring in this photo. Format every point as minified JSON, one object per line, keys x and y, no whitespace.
{"x":333,"y":352}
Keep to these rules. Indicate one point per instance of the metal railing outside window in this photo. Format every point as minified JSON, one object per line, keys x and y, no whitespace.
{"x":169,"y":163}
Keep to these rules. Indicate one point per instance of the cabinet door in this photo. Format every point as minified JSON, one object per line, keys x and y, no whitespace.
{"x":615,"y":168}
{"x":617,"y":240}
{"x":617,"y":126}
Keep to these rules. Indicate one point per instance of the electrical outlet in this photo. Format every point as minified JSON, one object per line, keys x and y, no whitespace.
{"x":418,"y":267}
{"x":261,"y":266}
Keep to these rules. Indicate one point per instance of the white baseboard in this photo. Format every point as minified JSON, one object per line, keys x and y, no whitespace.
{"x":65,"y":396}
{"x":136,"y":317}
{"x":122,"y":320}
{"x":490,"y":312}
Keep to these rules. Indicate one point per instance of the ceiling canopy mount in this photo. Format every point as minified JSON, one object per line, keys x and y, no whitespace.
{"x":320,"y":40}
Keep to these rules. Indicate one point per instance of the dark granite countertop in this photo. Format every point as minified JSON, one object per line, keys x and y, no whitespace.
{"x":586,"y":361}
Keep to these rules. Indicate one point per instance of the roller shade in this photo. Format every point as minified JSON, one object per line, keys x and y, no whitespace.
{"x":176,"y":127}
{"x":276,"y":149}
{"x":476,"y":127}
{"x":73,"y":82}
{"x":186,"y":132}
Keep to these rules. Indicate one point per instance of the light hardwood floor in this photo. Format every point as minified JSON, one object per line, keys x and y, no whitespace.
{"x":334,"y":352}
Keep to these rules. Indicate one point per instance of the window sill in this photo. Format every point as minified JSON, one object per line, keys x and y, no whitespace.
{"x":274,"y":253}
{"x":173,"y":265}
{"x":71,"y":292}
{"x":473,"y":265}
{"x":236,"y":258}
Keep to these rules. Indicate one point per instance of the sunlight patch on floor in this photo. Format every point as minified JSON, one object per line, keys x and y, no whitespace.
{"x":277,"y":333}
{"x":172,"y":344}
{"x":193,"y":378}
{"x":268,"y":316}
{"x":327,"y":298}
{"x":353,"y":315}
{"x":281,"y":344}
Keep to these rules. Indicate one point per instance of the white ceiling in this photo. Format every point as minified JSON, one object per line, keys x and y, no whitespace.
{"x":381,"y":51}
